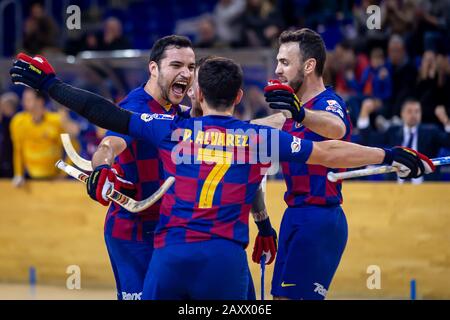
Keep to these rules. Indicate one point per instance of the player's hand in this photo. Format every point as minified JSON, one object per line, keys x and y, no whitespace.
{"x":282,"y":97}
{"x":36,"y":72}
{"x":265,"y":242}
{"x":123,"y":186}
{"x":104,"y":178}
{"x":411,"y":164}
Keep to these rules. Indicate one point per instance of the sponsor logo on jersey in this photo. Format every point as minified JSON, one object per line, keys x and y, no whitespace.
{"x":163,"y":116}
{"x":147,"y":117}
{"x":335,"y":107}
{"x":296,"y":145}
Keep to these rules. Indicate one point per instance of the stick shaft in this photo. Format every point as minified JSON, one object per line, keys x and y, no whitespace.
{"x":119,"y":198}
{"x":377,"y":170}
{"x":81,"y":163}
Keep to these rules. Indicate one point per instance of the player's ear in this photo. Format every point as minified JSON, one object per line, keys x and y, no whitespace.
{"x":239,"y":96}
{"x":309,"y":66}
{"x":199,"y":94}
{"x":153,"y":68}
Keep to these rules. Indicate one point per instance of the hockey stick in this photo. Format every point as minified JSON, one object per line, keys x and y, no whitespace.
{"x":119,"y":198}
{"x":333,"y":177}
{"x":81,"y":163}
{"x":263,"y":268}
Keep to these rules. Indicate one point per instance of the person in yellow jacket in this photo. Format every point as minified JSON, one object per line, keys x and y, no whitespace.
{"x":35,"y":137}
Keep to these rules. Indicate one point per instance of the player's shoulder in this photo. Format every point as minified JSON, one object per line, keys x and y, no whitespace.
{"x":330,"y":101}
{"x":136,"y":100}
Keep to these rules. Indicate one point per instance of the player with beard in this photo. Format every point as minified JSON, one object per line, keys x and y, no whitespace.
{"x":203,"y":229}
{"x":129,"y":236}
{"x":313,"y":231}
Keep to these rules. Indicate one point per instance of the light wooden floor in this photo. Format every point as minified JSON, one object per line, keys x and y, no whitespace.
{"x":402,"y":229}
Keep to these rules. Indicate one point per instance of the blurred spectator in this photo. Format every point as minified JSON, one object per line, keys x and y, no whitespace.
{"x":345,"y":65}
{"x":375,"y":80}
{"x":35,"y":136}
{"x":41,"y":33}
{"x":113,"y":38}
{"x":226,"y":17}
{"x":433,"y":28}
{"x":255,"y":104}
{"x":403,"y":74}
{"x":427,"y":139}
{"x":8,"y":106}
{"x":207,"y":36}
{"x":398,"y":16}
{"x":261,"y":24}
{"x":432,"y":85}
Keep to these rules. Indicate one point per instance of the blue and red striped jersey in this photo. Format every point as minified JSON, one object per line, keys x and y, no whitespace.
{"x":308,"y":184}
{"x":218,"y":163}
{"x":140,"y":165}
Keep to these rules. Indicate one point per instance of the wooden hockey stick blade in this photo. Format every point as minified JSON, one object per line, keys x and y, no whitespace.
{"x":119,"y":198}
{"x":333,"y":177}
{"x":80,"y":162}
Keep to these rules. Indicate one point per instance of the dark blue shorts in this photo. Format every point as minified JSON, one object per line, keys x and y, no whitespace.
{"x":207,"y":270}
{"x":311,"y":242}
{"x":129,"y":261}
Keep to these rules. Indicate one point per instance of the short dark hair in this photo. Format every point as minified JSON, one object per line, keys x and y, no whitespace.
{"x":202,"y":60}
{"x":409,"y":100}
{"x":219,"y":80}
{"x":160,"y":46}
{"x":310,"y":43}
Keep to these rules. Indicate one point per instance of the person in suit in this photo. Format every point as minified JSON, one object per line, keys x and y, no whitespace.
{"x":425,"y":138}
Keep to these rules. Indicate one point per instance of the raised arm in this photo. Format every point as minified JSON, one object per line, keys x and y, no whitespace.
{"x":38,"y":74}
{"x":327,"y":122}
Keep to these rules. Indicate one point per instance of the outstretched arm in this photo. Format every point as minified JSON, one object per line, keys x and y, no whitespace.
{"x":276,"y":121}
{"x":340,"y":154}
{"x":38,"y":74}
{"x":91,"y":106}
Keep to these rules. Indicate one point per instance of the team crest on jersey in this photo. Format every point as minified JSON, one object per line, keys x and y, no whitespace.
{"x":298,"y":125}
{"x":296,"y":145}
{"x":335,"y":107}
{"x":147,"y":117}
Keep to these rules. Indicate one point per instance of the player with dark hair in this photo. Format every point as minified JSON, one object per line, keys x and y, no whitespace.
{"x":129,"y":236}
{"x":309,"y":255}
{"x":217,"y":161}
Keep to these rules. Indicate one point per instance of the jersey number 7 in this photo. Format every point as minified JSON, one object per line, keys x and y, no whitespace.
{"x":222,"y":160}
